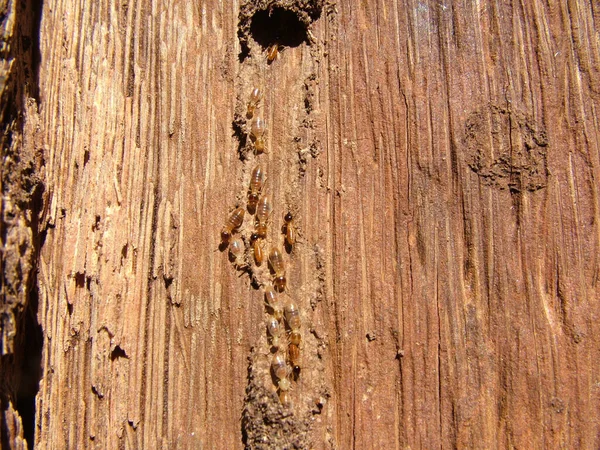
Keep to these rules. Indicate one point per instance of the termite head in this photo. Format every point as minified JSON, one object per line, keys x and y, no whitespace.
{"x":252,"y":200}
{"x":261,"y":230}
{"x":259,"y":145}
{"x":278,"y":311}
{"x":288,"y":217}
{"x":225,"y":236}
{"x":254,"y":237}
{"x":295,"y":337}
{"x":284,"y":384}
{"x":250,"y":110}
{"x":275,"y":342}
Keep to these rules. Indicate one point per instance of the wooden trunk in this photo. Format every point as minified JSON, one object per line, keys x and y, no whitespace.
{"x":441,"y":161}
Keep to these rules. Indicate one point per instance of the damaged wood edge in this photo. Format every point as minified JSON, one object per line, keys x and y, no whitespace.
{"x":21,"y":222}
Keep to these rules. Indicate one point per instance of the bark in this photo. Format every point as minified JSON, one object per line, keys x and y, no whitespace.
{"x":441,"y":162}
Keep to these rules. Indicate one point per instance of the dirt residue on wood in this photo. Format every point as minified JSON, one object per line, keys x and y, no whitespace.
{"x":507,"y":149}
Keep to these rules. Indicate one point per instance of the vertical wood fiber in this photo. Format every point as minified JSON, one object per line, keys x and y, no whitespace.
{"x":442,"y":161}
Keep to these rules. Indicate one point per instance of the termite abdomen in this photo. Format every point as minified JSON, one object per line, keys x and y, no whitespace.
{"x":272,"y":53}
{"x":257,"y":132}
{"x":236,"y":252}
{"x":290,"y":233}
{"x":255,"y":97}
{"x":233,"y":222}
{"x":294,"y":356}
{"x":257,"y":249}
{"x":279,"y":366}
{"x":274,"y":328}
{"x":263,"y":211}
{"x":278,"y":268}
{"x":257,"y":181}
{"x":292,"y":316}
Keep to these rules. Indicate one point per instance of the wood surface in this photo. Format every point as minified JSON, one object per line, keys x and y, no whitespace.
{"x":441,"y":159}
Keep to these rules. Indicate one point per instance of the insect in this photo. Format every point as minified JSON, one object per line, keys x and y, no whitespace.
{"x":233,"y":222}
{"x":263,"y":211}
{"x":278,"y":267}
{"x":295,"y":337}
{"x":292,"y":315}
{"x":255,"y":97}
{"x":273,"y":302}
{"x":259,"y":255}
{"x":294,"y":356}
{"x":278,"y":311}
{"x":236,"y":252}
{"x":284,"y":384}
{"x":270,"y":297}
{"x":257,"y":132}
{"x":290,"y":234}
{"x":272,"y":53}
{"x":279,"y":366}
{"x":284,"y":398}
{"x":274,"y":328}
{"x":257,"y":181}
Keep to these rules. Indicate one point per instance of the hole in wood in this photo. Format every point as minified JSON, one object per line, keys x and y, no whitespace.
{"x":278,"y":26}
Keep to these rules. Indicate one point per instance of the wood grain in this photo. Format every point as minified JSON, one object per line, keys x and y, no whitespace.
{"x":442,"y":161}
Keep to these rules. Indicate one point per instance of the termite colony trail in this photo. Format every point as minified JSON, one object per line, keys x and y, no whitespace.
{"x":283,"y":323}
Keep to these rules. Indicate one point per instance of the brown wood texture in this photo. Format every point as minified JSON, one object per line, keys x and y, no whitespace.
{"x":441,"y":160}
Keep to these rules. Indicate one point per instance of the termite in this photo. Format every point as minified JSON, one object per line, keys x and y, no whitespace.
{"x":259,"y":256}
{"x":292,"y":315}
{"x":257,"y":181}
{"x":295,"y":337}
{"x":272,"y":53}
{"x":263,"y":211}
{"x":294,"y":356}
{"x":273,"y":302}
{"x":270,"y":296}
{"x":284,"y":398}
{"x":257,"y":132}
{"x":233,"y":222}
{"x":255,"y":97}
{"x":274,"y":328}
{"x":279,"y":366}
{"x":290,"y":234}
{"x":236,"y":252}
{"x":284,"y":384}
{"x":278,"y":267}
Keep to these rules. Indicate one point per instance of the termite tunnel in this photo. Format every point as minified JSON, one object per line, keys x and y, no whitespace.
{"x":277,"y":26}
